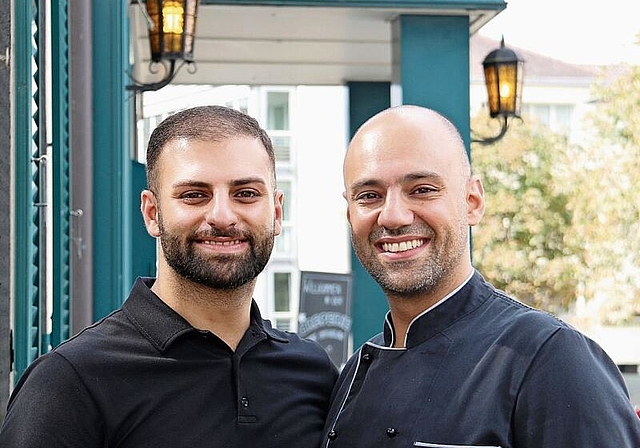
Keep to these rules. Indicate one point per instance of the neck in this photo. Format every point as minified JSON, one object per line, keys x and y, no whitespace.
{"x":225,"y":313}
{"x":406,"y":308}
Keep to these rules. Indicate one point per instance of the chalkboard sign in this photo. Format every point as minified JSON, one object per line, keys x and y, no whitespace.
{"x":325,"y":308}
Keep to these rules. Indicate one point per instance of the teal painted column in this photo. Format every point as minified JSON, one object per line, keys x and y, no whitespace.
{"x":431,"y":69}
{"x":143,"y":254}
{"x":112,"y":276}
{"x":369,"y":304}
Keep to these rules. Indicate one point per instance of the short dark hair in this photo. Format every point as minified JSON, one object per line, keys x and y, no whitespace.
{"x":203,"y":123}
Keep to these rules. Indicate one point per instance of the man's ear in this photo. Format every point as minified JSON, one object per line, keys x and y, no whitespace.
{"x":475,"y":201}
{"x":344,"y":195}
{"x":278,"y":201}
{"x":149,"y":209}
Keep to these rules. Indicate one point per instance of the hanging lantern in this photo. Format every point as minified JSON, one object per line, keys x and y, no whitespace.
{"x":503,"y":77}
{"x":172,"y":26}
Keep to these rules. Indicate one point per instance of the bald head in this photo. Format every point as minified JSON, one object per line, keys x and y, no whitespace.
{"x":417,"y":123}
{"x":411,"y":199}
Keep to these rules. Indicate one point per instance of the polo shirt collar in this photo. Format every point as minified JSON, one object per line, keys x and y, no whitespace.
{"x":161,"y":325}
{"x":434,"y":320}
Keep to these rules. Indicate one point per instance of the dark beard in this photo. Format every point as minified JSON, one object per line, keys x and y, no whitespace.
{"x":408,"y":279}
{"x":222,"y":271}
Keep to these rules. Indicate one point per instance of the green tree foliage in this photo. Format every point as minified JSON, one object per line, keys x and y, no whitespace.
{"x":606,"y":202}
{"x":563,"y":221}
{"x":520,"y":245}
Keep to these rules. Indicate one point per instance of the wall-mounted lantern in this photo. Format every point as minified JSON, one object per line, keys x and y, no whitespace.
{"x":172,"y":26}
{"x":503,"y":74}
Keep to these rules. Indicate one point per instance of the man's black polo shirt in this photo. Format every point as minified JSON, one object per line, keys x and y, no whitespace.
{"x":144,"y":377}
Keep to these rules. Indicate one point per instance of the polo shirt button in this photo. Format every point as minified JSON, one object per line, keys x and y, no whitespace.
{"x":332,"y":435}
{"x":366,"y":357}
{"x":245,"y":402}
{"x":392,"y":432}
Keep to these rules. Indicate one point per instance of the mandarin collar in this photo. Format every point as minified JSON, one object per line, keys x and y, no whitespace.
{"x":433,"y":321}
{"x":161,"y":325}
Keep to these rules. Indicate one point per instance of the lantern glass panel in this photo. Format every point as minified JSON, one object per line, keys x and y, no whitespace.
{"x":491,"y":79}
{"x":173,"y":20}
{"x":507,"y":74}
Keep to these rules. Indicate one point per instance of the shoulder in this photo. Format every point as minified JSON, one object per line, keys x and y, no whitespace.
{"x":295,"y":345}
{"x":94,"y":337}
{"x":509,"y":313}
{"x":49,"y":396}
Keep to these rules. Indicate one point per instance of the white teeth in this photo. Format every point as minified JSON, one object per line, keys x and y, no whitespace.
{"x":403,"y":246}
{"x":221,"y":243}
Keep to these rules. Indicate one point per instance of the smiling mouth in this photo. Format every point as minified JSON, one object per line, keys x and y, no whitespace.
{"x":221,"y":243}
{"x":402,"y":246}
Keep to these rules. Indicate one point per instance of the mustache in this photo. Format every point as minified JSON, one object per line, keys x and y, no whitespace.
{"x":382,"y":232}
{"x":217,"y":233}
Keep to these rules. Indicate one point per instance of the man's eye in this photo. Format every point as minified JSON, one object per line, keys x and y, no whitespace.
{"x":425,"y":190}
{"x":367,"y":197}
{"x":192,"y":196}
{"x":247,"y":194}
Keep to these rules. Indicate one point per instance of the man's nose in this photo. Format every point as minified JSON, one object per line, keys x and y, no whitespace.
{"x":395,"y":212}
{"x":220,"y":213}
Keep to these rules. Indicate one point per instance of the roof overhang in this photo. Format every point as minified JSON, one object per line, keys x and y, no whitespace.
{"x":297,"y":42}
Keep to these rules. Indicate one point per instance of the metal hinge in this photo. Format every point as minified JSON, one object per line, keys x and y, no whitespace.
{"x":5,"y":57}
{"x":11,"y":356}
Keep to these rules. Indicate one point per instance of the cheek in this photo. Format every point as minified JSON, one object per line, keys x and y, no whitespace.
{"x":361,"y":220}
{"x":181,"y":219}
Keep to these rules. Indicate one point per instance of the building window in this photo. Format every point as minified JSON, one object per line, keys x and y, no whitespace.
{"x":281,"y":292}
{"x":277,"y":116}
{"x":282,"y":148}
{"x":558,"y":117}
{"x":278,"y":111}
{"x":284,"y":241}
{"x":283,"y":309}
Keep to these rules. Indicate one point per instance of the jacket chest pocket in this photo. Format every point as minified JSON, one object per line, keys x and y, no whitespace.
{"x":440,"y":445}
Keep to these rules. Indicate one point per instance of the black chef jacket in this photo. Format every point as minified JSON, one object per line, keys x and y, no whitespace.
{"x":482,"y":370}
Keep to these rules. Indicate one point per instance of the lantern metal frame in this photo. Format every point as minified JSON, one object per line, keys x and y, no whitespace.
{"x":171,"y":25}
{"x":503,"y":72}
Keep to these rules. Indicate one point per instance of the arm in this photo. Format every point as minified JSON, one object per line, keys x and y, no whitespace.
{"x":51,"y":408}
{"x":573,"y":395}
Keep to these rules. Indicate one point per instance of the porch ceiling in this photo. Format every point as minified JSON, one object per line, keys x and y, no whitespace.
{"x":274,"y":45}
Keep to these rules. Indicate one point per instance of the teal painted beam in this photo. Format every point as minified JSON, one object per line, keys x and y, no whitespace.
{"x":112,"y":277}
{"x":61,"y":180}
{"x":369,"y":304}
{"x":433,"y":65}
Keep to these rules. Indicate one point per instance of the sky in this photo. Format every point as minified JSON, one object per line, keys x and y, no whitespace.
{"x":574,"y":31}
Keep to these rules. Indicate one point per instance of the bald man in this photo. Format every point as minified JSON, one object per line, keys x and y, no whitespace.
{"x":459,"y":363}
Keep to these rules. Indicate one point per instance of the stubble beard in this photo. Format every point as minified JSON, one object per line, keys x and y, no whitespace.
{"x":217,"y":271}
{"x":413,"y":278}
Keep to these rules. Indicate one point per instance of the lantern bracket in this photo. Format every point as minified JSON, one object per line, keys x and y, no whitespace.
{"x":171,"y":72}
{"x":490,"y":140}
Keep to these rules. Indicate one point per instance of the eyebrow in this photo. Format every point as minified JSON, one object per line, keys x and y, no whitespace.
{"x":234,"y":183}
{"x":409,"y":177}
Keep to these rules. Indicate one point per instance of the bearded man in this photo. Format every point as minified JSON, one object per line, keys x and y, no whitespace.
{"x":187,"y":361}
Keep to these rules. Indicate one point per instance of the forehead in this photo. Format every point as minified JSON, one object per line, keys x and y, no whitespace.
{"x":393,"y":151}
{"x":185,"y":160}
